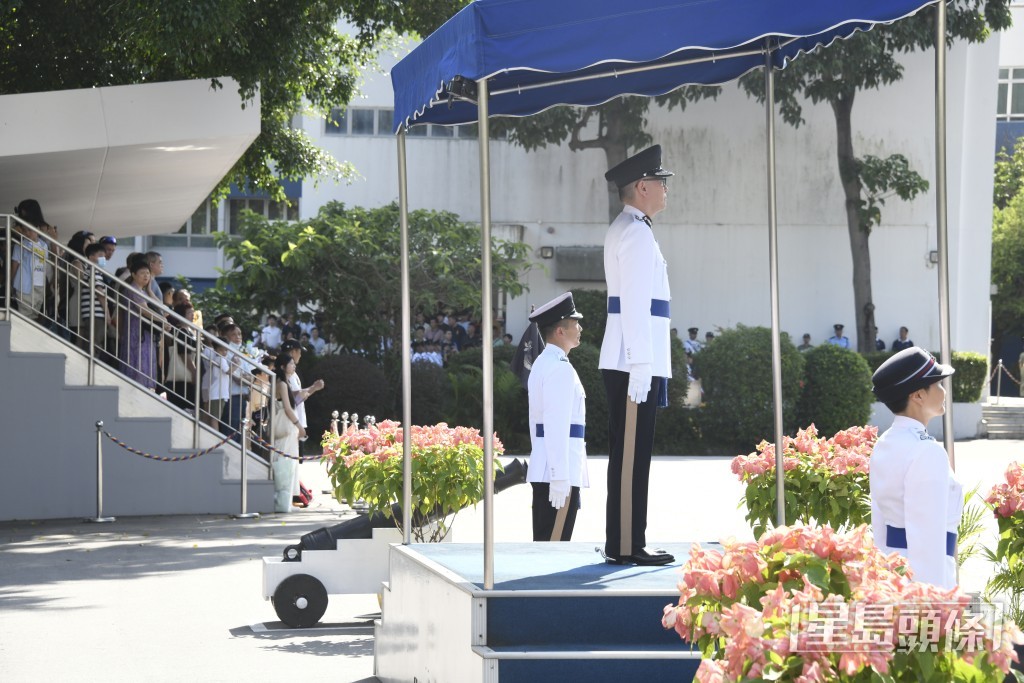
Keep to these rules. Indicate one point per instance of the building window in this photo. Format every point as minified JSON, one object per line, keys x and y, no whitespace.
{"x":1011,"y":95}
{"x":363,"y":121}
{"x":196,"y":232}
{"x":337,"y":122}
{"x":275,"y":211}
{"x":385,"y":119}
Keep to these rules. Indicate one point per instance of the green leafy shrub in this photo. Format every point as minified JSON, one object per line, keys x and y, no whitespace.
{"x":430,"y":393}
{"x":736,"y":375}
{"x":970,"y":376}
{"x":351,"y":384}
{"x":677,"y":430}
{"x":465,"y":397}
{"x":876,"y":358}
{"x":968,"y":380}
{"x":585,"y":358}
{"x":836,"y":391}
{"x":593,"y":304}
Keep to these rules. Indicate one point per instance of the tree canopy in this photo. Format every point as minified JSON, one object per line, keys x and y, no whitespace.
{"x":290,"y":51}
{"x":1009,"y":177}
{"x":345,"y":263}
{"x":1008,"y":246}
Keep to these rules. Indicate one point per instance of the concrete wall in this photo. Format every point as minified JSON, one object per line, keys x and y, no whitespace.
{"x":714,"y":232}
{"x":48,"y":450}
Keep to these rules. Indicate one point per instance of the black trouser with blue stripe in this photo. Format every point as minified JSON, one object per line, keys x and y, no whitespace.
{"x":630,"y":440}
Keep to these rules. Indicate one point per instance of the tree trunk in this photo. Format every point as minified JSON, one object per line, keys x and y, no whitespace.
{"x":613,"y":141}
{"x":864,"y":307}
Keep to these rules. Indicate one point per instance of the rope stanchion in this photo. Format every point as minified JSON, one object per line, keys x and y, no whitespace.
{"x":160,"y":458}
{"x":270,"y":447}
{"x":99,"y":518}
{"x":243,"y":514}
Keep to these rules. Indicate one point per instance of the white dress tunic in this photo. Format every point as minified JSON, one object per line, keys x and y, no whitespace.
{"x":557,"y":418}
{"x":916,"y":501}
{"x":638,"y":296}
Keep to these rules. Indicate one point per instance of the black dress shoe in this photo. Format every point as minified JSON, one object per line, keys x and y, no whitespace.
{"x":643,"y":557}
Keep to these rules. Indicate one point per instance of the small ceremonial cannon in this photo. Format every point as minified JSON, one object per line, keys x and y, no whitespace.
{"x":350,"y":557}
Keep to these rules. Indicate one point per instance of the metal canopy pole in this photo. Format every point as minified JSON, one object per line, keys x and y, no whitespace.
{"x":403,"y":212}
{"x":773,"y":278}
{"x":940,"y":220}
{"x":488,"y":331}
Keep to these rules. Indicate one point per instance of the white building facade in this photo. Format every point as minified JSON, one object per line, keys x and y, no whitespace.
{"x":714,"y":231}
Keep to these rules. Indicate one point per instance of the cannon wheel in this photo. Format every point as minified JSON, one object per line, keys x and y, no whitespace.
{"x":300,"y":600}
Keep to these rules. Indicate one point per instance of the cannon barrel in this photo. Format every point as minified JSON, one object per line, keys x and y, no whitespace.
{"x":362,"y":526}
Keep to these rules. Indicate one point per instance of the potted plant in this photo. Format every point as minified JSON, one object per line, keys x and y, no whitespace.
{"x":1007,"y":502}
{"x":826,"y":479}
{"x":810,"y":604}
{"x":447,"y":471}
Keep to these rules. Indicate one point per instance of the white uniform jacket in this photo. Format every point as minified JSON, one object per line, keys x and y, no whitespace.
{"x":557,"y":418}
{"x":916,"y":501}
{"x":638,"y":297}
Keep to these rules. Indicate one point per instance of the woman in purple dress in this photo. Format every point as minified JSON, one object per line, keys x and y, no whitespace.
{"x":135,"y":328}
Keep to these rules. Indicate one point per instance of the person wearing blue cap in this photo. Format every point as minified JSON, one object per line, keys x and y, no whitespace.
{"x":916,"y":499}
{"x":635,"y":358}
{"x":558,"y":415}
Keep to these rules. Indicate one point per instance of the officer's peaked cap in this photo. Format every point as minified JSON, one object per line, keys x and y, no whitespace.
{"x":559,"y":308}
{"x":645,"y":164}
{"x":906,"y":372}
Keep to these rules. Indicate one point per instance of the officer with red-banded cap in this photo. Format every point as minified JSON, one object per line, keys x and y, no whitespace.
{"x":635,"y":358}
{"x":558,"y":415}
{"x":916,"y":499}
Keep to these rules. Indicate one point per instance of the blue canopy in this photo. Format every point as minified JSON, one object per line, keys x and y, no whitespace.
{"x":527,"y":47}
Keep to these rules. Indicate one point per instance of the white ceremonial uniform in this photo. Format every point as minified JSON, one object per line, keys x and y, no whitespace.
{"x":634,"y":334}
{"x":916,"y":501}
{"x":692,"y":346}
{"x":557,"y":410}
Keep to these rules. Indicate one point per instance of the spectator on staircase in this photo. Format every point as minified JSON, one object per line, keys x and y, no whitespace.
{"x":29,"y":255}
{"x":135,"y":323}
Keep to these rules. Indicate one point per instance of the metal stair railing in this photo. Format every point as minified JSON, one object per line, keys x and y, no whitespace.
{"x":114,"y":323}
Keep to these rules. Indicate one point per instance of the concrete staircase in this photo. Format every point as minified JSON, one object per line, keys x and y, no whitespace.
{"x":49,"y":445}
{"x":1004,"y":420}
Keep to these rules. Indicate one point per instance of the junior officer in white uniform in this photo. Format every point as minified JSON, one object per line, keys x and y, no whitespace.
{"x":916,"y":500}
{"x":635,"y":358}
{"x":558,"y":461}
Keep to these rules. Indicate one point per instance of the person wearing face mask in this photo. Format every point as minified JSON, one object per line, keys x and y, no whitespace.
{"x":916,"y":499}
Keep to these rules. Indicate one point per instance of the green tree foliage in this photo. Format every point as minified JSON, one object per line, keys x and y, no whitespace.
{"x":593,"y":304}
{"x":834,"y":75}
{"x":1008,"y":267}
{"x":345,"y":263}
{"x":290,"y":52}
{"x":736,"y":375}
{"x":1009,"y":180}
{"x":837,"y":389}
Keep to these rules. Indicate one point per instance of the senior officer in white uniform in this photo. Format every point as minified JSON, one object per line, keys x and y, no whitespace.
{"x":635,"y":359}
{"x":558,"y":461}
{"x":916,"y":500}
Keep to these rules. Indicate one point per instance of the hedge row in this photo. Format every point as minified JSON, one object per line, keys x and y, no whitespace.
{"x":968,"y":380}
{"x":828,"y":386}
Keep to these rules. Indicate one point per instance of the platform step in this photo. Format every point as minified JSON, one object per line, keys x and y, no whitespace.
{"x":594,"y":665}
{"x":579,"y":620}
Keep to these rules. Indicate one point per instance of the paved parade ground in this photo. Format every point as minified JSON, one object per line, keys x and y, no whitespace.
{"x":178,"y":598}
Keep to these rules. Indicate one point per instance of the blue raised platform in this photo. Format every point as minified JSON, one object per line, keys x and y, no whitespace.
{"x":557,"y":610}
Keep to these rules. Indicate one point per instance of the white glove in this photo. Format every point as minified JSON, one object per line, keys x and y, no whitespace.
{"x":558,"y":493}
{"x":639,"y":382}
